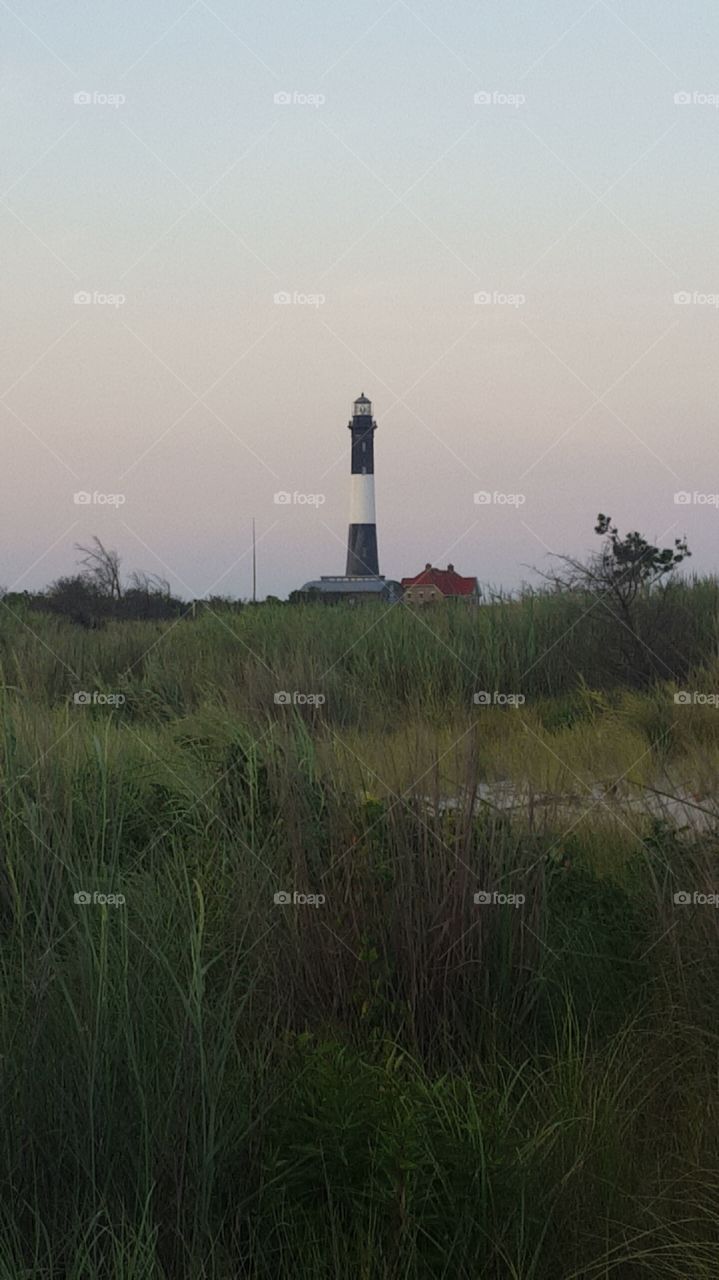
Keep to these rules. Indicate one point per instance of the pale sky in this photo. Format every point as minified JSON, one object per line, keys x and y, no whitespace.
{"x":576,"y":193}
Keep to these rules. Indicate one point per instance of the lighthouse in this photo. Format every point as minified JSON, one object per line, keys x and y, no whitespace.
{"x":362,"y":558}
{"x":361,"y":582}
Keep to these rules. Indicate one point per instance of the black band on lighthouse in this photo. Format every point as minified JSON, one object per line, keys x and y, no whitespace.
{"x":362,"y":558}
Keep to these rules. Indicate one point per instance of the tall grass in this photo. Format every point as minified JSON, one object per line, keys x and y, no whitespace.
{"x":370,"y":664}
{"x":397,"y":1082}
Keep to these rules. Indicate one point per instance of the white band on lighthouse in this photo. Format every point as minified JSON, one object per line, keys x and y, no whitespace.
{"x":362,"y":500}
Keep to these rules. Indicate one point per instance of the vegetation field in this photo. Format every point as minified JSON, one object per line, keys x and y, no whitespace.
{"x":286,"y":990}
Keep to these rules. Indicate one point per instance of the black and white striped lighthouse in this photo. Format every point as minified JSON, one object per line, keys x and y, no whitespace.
{"x":362,"y":559}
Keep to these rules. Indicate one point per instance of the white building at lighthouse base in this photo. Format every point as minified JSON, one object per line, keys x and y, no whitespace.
{"x":359,"y":589}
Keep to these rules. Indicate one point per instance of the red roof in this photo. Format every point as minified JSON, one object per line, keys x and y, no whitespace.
{"x":446,"y":580}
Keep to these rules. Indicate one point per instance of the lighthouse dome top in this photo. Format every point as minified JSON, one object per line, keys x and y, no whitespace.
{"x":362,"y":405}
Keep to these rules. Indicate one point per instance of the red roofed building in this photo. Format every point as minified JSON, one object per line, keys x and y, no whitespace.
{"x":439,"y":584}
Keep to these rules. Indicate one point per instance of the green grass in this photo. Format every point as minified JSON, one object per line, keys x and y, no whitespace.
{"x":397,"y":1083}
{"x":372,"y":664}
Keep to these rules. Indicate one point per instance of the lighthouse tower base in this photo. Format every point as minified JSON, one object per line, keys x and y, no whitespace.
{"x":362,"y":555}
